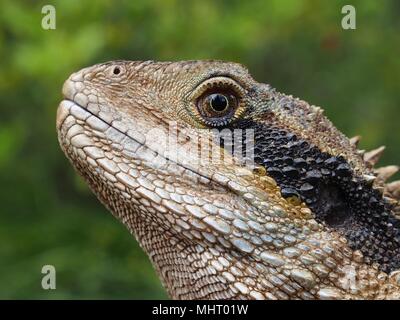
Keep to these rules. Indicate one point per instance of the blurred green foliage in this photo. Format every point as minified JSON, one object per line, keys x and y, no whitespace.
{"x":47,"y":214}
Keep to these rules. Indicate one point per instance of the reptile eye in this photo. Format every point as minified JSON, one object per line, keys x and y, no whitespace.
{"x":217,"y":101}
{"x":217,"y":108}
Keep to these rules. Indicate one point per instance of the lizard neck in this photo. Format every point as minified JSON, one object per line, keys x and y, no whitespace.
{"x":185,"y":268}
{"x":191,"y":269}
{"x":188,"y":270}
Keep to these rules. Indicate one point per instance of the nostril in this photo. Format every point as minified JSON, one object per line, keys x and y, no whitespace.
{"x":117,"y":70}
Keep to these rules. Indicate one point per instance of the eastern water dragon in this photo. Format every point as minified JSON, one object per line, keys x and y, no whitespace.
{"x":302,"y":214}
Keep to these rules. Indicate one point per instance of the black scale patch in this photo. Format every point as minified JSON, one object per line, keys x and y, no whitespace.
{"x":329,"y":187}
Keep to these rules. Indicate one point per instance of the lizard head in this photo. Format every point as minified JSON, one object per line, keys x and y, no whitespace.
{"x":233,"y":189}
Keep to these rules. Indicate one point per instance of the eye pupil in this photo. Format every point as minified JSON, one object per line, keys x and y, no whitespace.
{"x":218,"y":102}
{"x":116,"y":70}
{"x":217,"y":108}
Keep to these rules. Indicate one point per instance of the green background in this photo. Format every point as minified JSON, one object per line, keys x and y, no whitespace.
{"x":48,"y":215}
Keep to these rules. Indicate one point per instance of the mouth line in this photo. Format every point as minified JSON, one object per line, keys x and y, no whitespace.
{"x":208,"y":178}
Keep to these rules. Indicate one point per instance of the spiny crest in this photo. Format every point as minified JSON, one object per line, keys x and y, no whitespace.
{"x":381,"y":175}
